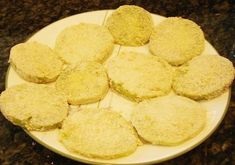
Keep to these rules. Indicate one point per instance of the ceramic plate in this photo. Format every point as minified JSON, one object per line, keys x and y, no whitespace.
{"x":145,"y":154}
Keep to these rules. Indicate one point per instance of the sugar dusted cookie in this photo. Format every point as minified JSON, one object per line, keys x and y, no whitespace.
{"x":83,"y":83}
{"x":204,"y":77}
{"x":139,"y":76}
{"x":177,"y":40}
{"x":168,"y":120}
{"x":35,"y":62}
{"x":130,"y":25}
{"x":36,"y":107}
{"x":98,"y":133}
{"x":84,"y":42}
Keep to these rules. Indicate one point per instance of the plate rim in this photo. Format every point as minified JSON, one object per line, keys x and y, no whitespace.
{"x":101,"y":161}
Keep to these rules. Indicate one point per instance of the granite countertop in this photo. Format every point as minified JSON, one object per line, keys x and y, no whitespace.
{"x":20,"y":19}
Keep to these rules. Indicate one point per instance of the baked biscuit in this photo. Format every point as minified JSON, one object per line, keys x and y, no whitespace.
{"x":36,"y":107}
{"x":98,"y":133}
{"x":168,"y":120}
{"x":177,"y":40}
{"x":139,"y":76}
{"x":83,"y":83}
{"x":84,"y":42}
{"x":130,"y":25}
{"x":35,"y":62}
{"x":204,"y":77}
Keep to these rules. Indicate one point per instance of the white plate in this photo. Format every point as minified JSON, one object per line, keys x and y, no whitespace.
{"x":145,"y":154}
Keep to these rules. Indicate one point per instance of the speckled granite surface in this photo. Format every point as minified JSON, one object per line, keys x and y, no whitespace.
{"x":19,"y":19}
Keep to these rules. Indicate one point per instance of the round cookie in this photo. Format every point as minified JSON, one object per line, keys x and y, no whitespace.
{"x":177,"y":40}
{"x":35,"y":62}
{"x":36,"y":107}
{"x":83,"y":83}
{"x":84,"y":42}
{"x":139,"y":76}
{"x":98,"y":133}
{"x":130,"y":25}
{"x":204,"y":77}
{"x":168,"y":120}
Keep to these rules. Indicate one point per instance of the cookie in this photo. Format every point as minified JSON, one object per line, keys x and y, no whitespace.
{"x":36,"y":107}
{"x":168,"y":120}
{"x":84,"y":42}
{"x":35,"y":62}
{"x":98,"y":133}
{"x":177,"y":40}
{"x":130,"y":25}
{"x":204,"y":77}
{"x":139,"y":76}
{"x":83,"y":83}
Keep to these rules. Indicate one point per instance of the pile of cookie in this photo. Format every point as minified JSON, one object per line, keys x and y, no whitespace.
{"x":73,"y":73}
